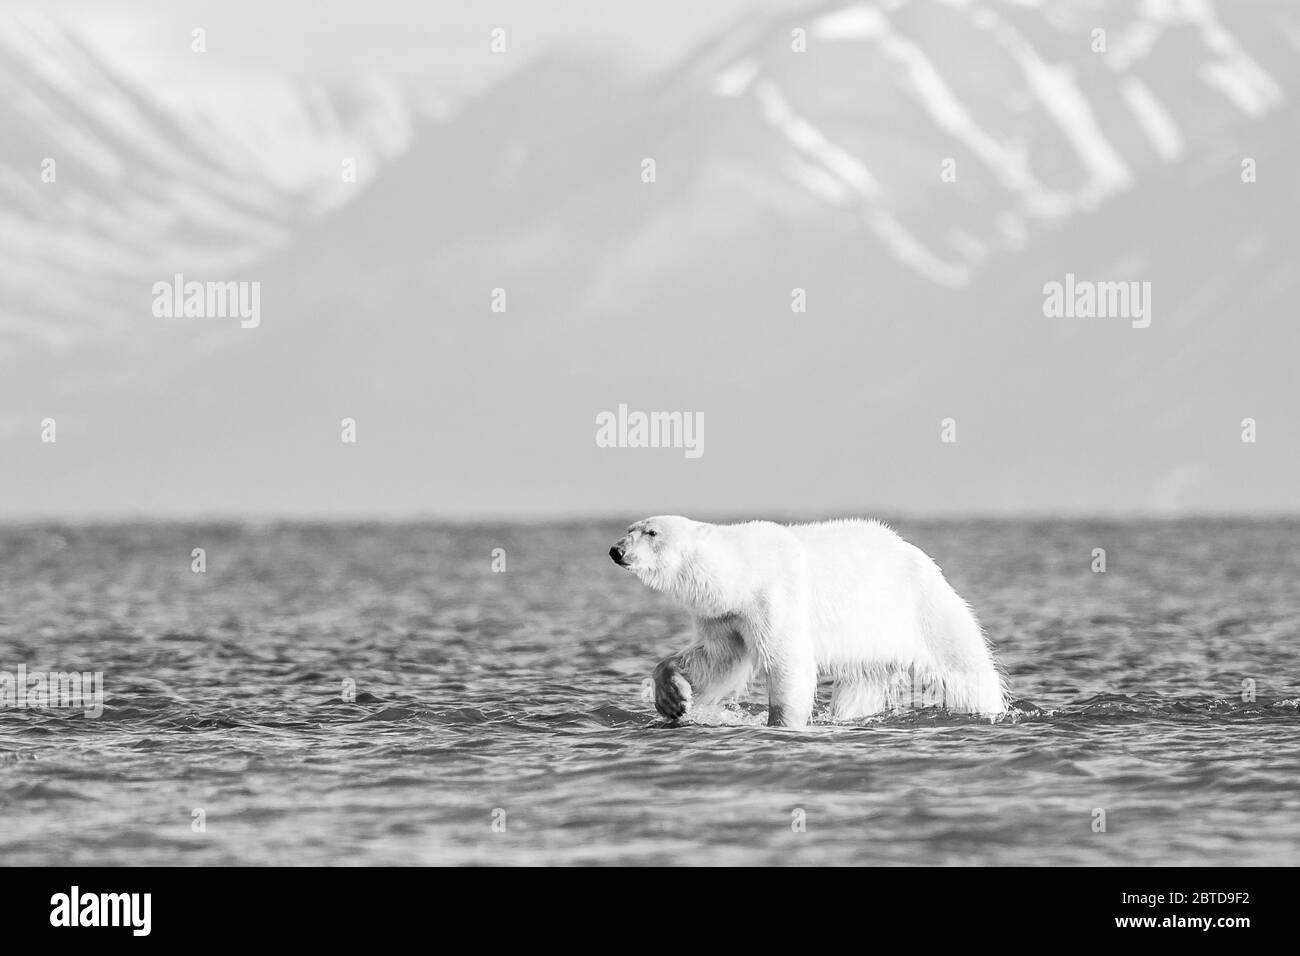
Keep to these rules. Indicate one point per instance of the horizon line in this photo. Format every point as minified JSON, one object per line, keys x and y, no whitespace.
{"x":887,"y":516}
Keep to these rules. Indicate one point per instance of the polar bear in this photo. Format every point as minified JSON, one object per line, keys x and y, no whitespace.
{"x":849,"y":599}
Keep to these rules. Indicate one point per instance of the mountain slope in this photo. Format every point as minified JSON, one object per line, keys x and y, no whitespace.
{"x":103,"y":189}
{"x":775,"y":170}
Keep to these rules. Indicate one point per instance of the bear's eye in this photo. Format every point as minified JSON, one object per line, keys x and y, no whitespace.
{"x":650,"y":534}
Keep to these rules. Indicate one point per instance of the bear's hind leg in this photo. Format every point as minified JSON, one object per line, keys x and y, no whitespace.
{"x":859,"y":695}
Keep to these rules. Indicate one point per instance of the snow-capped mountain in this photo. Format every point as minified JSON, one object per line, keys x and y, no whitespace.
{"x":1039,"y":113}
{"x":102,"y":186}
{"x":919,"y":169}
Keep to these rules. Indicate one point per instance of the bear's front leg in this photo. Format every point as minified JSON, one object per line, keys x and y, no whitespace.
{"x":716,"y":665}
{"x":791,"y":686}
{"x":672,"y":689}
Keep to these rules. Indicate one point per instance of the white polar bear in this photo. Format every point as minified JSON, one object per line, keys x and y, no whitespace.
{"x":850,"y":599}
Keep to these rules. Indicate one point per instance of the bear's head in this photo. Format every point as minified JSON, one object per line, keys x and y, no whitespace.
{"x":658,"y":549}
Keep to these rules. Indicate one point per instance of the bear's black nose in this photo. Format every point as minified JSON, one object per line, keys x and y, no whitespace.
{"x":617,"y":554}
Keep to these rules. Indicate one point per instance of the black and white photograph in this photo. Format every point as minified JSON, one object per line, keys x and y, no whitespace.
{"x":566,"y":434}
